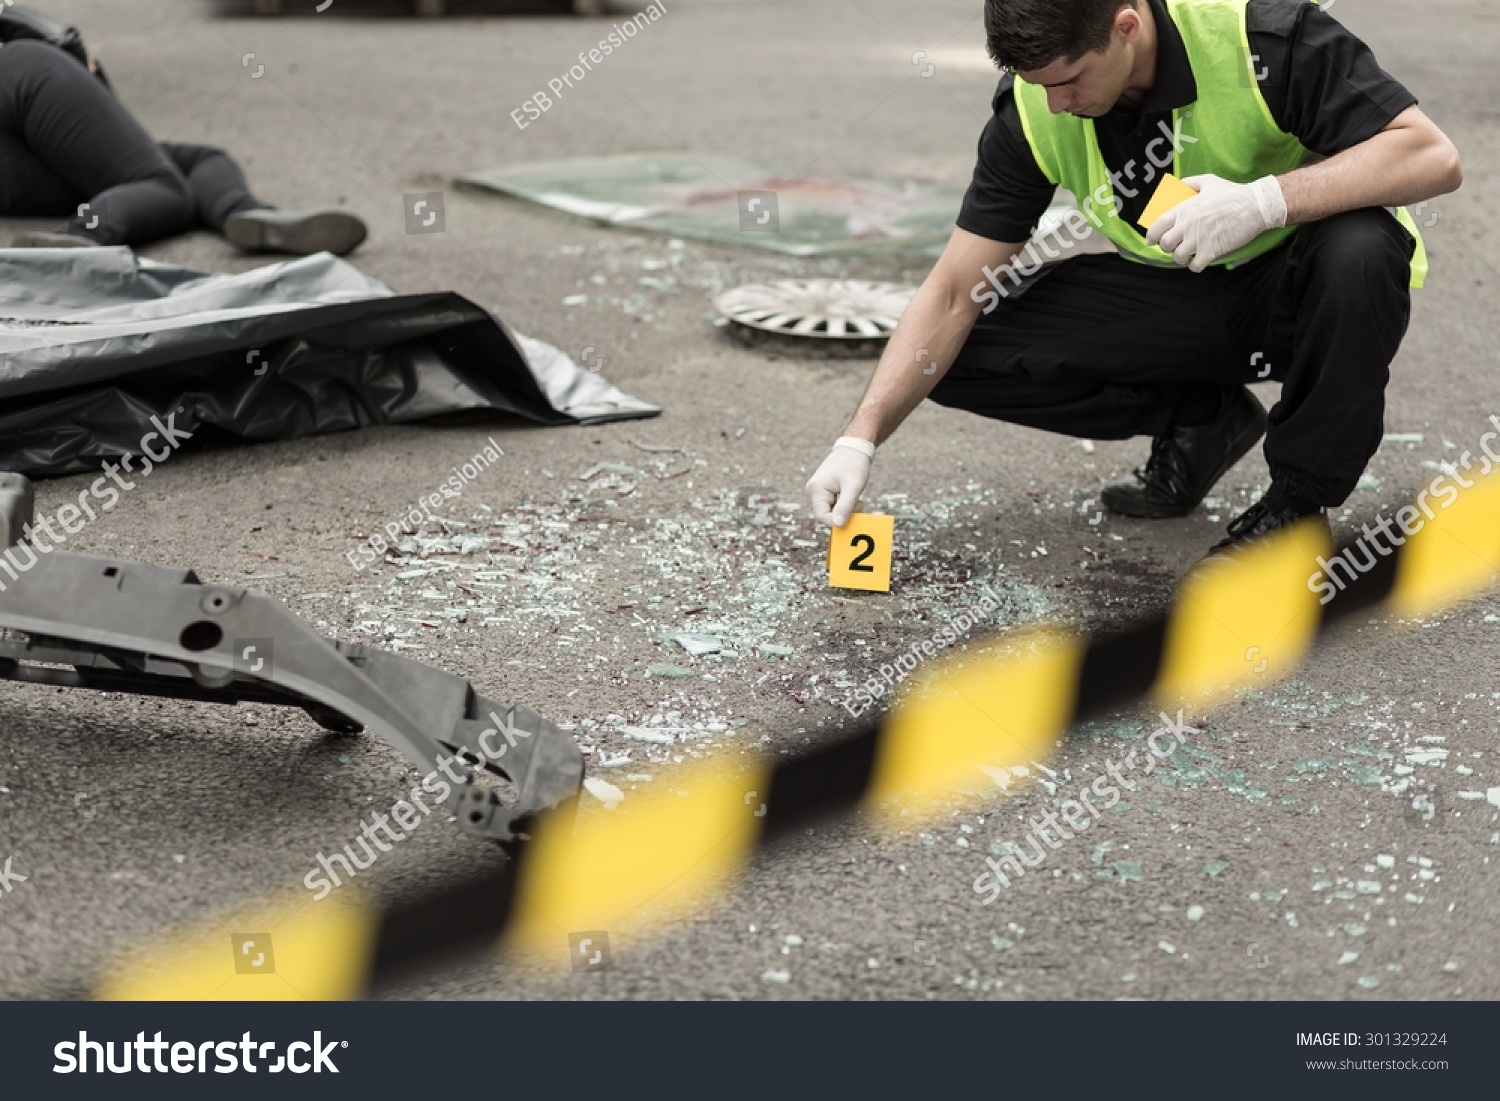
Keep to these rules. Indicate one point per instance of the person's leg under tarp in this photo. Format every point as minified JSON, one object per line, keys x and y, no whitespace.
{"x":120,"y":188}
{"x":225,"y":205}
{"x":1105,"y":348}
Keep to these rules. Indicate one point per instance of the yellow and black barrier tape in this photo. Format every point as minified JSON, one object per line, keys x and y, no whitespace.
{"x":1237,"y":619}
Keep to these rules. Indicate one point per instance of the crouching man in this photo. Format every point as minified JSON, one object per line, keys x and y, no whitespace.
{"x":1292,"y":262}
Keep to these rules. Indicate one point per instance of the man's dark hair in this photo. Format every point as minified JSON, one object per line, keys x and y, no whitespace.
{"x":1026,"y":35}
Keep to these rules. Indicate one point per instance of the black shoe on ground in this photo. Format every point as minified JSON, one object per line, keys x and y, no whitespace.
{"x":301,"y":232}
{"x":1186,"y":462}
{"x":1262,"y":519}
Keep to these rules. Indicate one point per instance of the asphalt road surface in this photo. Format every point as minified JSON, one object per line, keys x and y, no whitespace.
{"x":1329,"y":837}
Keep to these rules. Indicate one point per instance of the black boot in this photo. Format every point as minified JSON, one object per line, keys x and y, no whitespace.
{"x":1186,"y":462}
{"x":1264,"y":517}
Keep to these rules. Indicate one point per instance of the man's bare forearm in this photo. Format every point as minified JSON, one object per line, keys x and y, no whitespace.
{"x":1407,"y":162}
{"x":919,"y":353}
{"x":929,"y":336}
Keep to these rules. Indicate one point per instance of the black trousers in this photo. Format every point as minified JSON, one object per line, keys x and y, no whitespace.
{"x":1105,"y":348}
{"x":66,"y":142}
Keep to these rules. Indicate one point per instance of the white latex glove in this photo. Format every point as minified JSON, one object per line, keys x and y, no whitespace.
{"x":1222,"y":217}
{"x":835,"y":488}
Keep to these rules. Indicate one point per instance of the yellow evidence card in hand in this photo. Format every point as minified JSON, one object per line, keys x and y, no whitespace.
{"x":1169,"y":193}
{"x":859,"y":553}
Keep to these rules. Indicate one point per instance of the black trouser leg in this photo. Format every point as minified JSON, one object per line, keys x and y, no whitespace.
{"x":93,"y":150}
{"x":1105,"y":348}
{"x":1338,"y":312}
{"x":216,"y":183}
{"x":28,"y":187}
{"x":1100,"y":347}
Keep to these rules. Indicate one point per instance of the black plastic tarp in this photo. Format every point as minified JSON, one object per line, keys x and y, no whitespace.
{"x":94,"y":342}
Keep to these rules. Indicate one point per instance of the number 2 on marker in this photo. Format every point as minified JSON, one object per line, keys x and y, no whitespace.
{"x":859,"y":553}
{"x":859,"y":563}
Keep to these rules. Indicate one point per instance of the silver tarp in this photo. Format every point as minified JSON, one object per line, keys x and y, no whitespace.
{"x":96,"y":341}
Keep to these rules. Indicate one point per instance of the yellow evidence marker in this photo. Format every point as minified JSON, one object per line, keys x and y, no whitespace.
{"x":859,"y":553}
{"x":1169,"y":193}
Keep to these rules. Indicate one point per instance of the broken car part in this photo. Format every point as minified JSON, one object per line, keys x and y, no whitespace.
{"x":108,"y":624}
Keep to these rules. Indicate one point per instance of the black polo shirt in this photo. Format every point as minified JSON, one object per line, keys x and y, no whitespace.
{"x":1321,"y":83}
